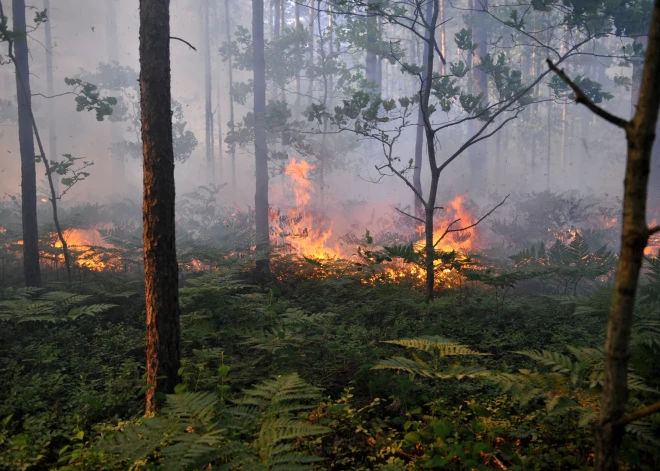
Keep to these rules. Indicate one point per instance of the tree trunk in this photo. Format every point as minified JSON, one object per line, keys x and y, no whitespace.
{"x":31,"y":267}
{"x":432,"y":18}
{"x":230,"y":72}
{"x":50,"y":86}
{"x":161,"y":271}
{"x":297,"y":15}
{"x":260,"y":146}
{"x":118,"y":161}
{"x":218,"y":32}
{"x":277,"y":21}
{"x":419,"y":137}
{"x":479,"y":151}
{"x":310,"y":79}
{"x":371,"y":65}
{"x":640,"y":133}
{"x":441,"y":40}
{"x":208,"y":93}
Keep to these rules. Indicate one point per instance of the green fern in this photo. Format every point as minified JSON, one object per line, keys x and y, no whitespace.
{"x":29,"y":305}
{"x":194,"y":429}
{"x":437,"y":349}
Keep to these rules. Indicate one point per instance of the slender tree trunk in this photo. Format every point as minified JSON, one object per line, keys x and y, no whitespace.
{"x":479,"y":152}
{"x":323,"y":153}
{"x":441,"y":40}
{"x":208,"y":92}
{"x":31,"y":267}
{"x":260,"y":146}
{"x":310,"y":78}
{"x":277,"y":21}
{"x":230,"y":72}
{"x":118,"y":161}
{"x":218,"y":31}
{"x":161,"y":271}
{"x":371,"y":65}
{"x":640,"y":133}
{"x":548,"y":156}
{"x":432,"y":18}
{"x":50,"y":86}
{"x":419,"y":137}
{"x":297,"y":15}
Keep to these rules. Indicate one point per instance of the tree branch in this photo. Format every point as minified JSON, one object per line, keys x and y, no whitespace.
{"x":653,"y":230}
{"x":411,"y":216}
{"x":185,"y":42}
{"x":639,"y":414}
{"x":449,"y":229}
{"x":580,"y":97}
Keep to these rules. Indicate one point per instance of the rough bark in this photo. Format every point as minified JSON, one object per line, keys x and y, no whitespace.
{"x":230,"y":72}
{"x":31,"y":268}
{"x":260,"y":146}
{"x":160,"y":266}
{"x":640,"y":134}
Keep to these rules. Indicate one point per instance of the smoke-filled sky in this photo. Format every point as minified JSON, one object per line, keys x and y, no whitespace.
{"x":80,"y":41}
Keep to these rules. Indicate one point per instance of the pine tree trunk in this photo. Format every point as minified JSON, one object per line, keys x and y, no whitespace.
{"x":208,"y":93}
{"x":260,"y":146}
{"x":218,"y":33}
{"x":161,"y":271}
{"x":640,"y":133}
{"x":230,"y":72}
{"x":31,"y":267}
{"x":50,"y":87}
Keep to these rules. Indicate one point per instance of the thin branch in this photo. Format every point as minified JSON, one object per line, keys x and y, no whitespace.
{"x":653,"y":230}
{"x":449,"y":229}
{"x":185,"y":42}
{"x":411,"y":216}
{"x":580,"y":97}
{"x":639,"y":414}
{"x":54,"y":96}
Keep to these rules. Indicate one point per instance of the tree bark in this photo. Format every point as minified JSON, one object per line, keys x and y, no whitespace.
{"x":260,"y":146}
{"x":640,"y":134}
{"x":160,"y":266}
{"x":31,"y":268}
{"x":230,"y":72}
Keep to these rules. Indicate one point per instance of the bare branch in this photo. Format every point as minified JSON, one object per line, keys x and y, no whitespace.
{"x":580,"y":97}
{"x":653,"y":230}
{"x":449,"y":229}
{"x":639,"y":414}
{"x":411,"y":216}
{"x":185,"y":42}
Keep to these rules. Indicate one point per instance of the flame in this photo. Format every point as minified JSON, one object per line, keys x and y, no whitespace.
{"x":82,"y":244}
{"x":303,"y":233}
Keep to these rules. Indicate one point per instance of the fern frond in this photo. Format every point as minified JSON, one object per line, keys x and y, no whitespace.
{"x":436,"y":345}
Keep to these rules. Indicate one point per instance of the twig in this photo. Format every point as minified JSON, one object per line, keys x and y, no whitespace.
{"x":54,"y":96}
{"x":639,"y":414}
{"x":185,"y":42}
{"x":411,"y":216}
{"x":449,"y":229}
{"x":581,"y":97}
{"x":653,"y":230}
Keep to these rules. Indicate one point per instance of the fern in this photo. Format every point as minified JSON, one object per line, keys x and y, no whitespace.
{"x":437,"y":349}
{"x":257,"y":432}
{"x":53,"y":307}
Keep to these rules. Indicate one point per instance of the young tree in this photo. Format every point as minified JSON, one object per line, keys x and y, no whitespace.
{"x":260,"y":146}
{"x":31,"y":266}
{"x":640,"y":135}
{"x":161,"y":271}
